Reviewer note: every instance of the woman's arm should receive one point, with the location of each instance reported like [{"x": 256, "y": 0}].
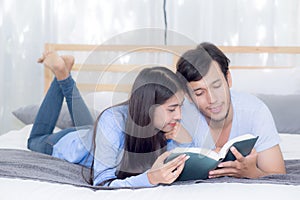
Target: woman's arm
[
  {"x": 109, "y": 152},
  {"x": 159, "y": 173}
]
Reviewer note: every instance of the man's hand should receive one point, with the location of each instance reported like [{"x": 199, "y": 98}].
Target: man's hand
[{"x": 242, "y": 167}]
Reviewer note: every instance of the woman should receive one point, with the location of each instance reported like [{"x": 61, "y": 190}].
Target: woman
[{"x": 130, "y": 140}]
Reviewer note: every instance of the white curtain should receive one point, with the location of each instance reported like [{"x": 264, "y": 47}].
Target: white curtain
[{"x": 25, "y": 26}]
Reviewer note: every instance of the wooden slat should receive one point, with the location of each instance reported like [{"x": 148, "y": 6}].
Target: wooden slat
[
  {"x": 261, "y": 49},
  {"x": 129, "y": 68},
  {"x": 104, "y": 87},
  {"x": 140, "y": 48},
  {"x": 48, "y": 76},
  {"x": 261, "y": 67},
  {"x": 175, "y": 51},
  {"x": 69, "y": 47},
  {"x": 173, "y": 48},
  {"x": 113, "y": 68}
]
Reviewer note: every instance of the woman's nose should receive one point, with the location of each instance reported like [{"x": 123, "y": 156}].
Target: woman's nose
[{"x": 177, "y": 115}]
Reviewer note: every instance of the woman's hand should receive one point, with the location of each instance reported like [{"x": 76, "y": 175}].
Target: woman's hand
[
  {"x": 242, "y": 167},
  {"x": 166, "y": 173},
  {"x": 179, "y": 134}
]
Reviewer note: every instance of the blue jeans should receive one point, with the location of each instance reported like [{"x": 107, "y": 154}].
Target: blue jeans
[{"x": 41, "y": 138}]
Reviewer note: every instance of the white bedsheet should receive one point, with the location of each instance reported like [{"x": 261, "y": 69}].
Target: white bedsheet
[{"x": 11, "y": 189}]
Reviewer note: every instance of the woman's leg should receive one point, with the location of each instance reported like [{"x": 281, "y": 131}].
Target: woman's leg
[
  {"x": 41, "y": 138},
  {"x": 50, "y": 108},
  {"x": 79, "y": 112},
  {"x": 46, "y": 119}
]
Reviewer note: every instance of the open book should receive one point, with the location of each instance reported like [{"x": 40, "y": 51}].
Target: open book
[{"x": 202, "y": 161}]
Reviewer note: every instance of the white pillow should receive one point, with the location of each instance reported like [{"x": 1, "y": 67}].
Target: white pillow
[
  {"x": 101, "y": 100},
  {"x": 27, "y": 114},
  {"x": 96, "y": 102}
]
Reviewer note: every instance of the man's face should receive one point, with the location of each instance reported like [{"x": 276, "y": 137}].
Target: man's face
[{"x": 212, "y": 94}]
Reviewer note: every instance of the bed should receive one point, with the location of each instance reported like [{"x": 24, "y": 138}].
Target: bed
[{"x": 122, "y": 62}]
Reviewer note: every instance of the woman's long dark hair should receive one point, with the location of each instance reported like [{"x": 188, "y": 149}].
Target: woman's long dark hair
[{"x": 143, "y": 142}]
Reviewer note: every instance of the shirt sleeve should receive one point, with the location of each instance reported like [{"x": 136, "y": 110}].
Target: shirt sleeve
[
  {"x": 173, "y": 144},
  {"x": 140, "y": 180},
  {"x": 264, "y": 127},
  {"x": 109, "y": 152}
]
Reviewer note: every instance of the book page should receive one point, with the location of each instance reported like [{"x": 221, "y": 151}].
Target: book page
[
  {"x": 229, "y": 143},
  {"x": 201, "y": 151}
]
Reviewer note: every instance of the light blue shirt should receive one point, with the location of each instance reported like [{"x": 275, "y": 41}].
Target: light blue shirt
[
  {"x": 250, "y": 115},
  {"x": 75, "y": 148}
]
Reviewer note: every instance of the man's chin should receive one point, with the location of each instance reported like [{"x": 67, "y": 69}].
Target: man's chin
[{"x": 217, "y": 118}]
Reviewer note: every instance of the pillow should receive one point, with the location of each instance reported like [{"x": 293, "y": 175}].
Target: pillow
[
  {"x": 27, "y": 114},
  {"x": 285, "y": 110},
  {"x": 96, "y": 102},
  {"x": 100, "y": 100}
]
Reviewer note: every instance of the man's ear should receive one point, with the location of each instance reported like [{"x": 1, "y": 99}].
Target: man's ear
[{"x": 229, "y": 79}]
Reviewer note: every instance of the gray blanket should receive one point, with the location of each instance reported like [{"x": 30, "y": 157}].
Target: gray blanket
[{"x": 36, "y": 166}]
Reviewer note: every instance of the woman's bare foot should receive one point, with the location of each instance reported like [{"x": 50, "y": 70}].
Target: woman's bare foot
[
  {"x": 56, "y": 64},
  {"x": 69, "y": 61}
]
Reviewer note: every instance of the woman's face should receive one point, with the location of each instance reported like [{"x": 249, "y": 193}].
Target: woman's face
[{"x": 166, "y": 115}]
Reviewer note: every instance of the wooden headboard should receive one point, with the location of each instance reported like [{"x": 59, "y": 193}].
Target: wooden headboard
[{"x": 170, "y": 53}]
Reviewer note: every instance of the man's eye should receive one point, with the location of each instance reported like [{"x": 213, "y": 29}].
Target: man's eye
[
  {"x": 217, "y": 85},
  {"x": 198, "y": 94},
  {"x": 171, "y": 110}
]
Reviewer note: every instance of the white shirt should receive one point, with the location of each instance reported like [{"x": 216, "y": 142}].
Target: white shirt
[{"x": 250, "y": 115}]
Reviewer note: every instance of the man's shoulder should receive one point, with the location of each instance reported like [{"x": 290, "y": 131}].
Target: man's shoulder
[{"x": 245, "y": 100}]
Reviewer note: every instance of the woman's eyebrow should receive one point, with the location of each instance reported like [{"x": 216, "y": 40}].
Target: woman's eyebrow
[
  {"x": 177, "y": 104},
  {"x": 173, "y": 105}
]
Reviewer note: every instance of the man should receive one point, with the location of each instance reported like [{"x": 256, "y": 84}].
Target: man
[{"x": 225, "y": 114}]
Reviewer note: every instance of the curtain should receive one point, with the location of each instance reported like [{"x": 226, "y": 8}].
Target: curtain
[{"x": 25, "y": 26}]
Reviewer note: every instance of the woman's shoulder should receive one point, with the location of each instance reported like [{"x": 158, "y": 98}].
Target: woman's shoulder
[
  {"x": 114, "y": 115},
  {"x": 115, "y": 111},
  {"x": 111, "y": 124}
]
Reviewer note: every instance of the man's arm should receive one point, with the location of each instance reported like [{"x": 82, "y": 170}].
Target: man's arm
[
  {"x": 254, "y": 165},
  {"x": 270, "y": 161}
]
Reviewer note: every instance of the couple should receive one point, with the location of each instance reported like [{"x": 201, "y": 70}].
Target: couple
[{"x": 129, "y": 142}]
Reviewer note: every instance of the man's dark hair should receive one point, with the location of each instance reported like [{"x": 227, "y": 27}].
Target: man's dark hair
[
  {"x": 195, "y": 63},
  {"x": 217, "y": 55}
]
